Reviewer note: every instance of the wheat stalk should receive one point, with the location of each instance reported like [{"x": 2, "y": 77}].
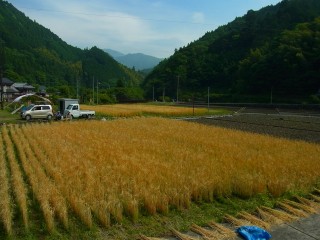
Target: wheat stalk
[
  {"x": 309, "y": 202},
  {"x": 205, "y": 233},
  {"x": 143, "y": 237},
  {"x": 182, "y": 236},
  {"x": 41, "y": 193},
  {"x": 254, "y": 220},
  {"x": 81, "y": 209},
  {"x": 77, "y": 204},
  {"x": 268, "y": 217},
  {"x": 125, "y": 110},
  {"x": 56, "y": 199},
  {"x": 316, "y": 198},
  {"x": 98, "y": 165},
  {"x": 304, "y": 207},
  {"x": 292, "y": 210},
  {"x": 5, "y": 199},
  {"x": 19, "y": 187},
  {"x": 224, "y": 231},
  {"x": 285, "y": 217},
  {"x": 235, "y": 221}
]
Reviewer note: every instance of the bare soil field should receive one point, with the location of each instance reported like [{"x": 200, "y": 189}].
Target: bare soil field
[{"x": 293, "y": 124}]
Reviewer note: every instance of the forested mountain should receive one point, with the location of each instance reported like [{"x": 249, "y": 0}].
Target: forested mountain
[
  {"x": 138, "y": 61},
  {"x": 35, "y": 55},
  {"x": 274, "y": 51}
]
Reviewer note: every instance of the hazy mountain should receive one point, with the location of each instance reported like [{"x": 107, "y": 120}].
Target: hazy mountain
[
  {"x": 139, "y": 61},
  {"x": 113, "y": 53}
]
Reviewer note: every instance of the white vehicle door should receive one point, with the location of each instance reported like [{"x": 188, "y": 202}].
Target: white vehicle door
[{"x": 75, "y": 111}]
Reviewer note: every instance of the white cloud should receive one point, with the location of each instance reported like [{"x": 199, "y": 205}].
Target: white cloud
[
  {"x": 198, "y": 17},
  {"x": 88, "y": 23}
]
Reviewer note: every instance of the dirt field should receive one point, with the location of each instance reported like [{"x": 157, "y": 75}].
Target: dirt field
[{"x": 293, "y": 124}]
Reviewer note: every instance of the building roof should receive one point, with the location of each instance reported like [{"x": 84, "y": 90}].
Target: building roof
[
  {"x": 22, "y": 86},
  {"x": 11, "y": 90},
  {"x": 6, "y": 82}
]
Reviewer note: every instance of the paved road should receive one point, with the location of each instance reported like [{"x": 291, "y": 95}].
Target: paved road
[{"x": 304, "y": 229}]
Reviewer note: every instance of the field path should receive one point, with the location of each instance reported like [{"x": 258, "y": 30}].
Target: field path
[
  {"x": 303, "y": 229},
  {"x": 298, "y": 125}
]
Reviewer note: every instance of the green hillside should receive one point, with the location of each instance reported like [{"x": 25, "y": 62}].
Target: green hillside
[
  {"x": 271, "y": 51},
  {"x": 35, "y": 55}
]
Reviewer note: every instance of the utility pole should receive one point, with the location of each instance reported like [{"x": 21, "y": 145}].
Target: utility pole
[
  {"x": 208, "y": 99},
  {"x": 97, "y": 91},
  {"x": 153, "y": 93},
  {"x": 93, "y": 89},
  {"x": 77, "y": 82},
  {"x": 178, "y": 89},
  {"x": 2, "y": 60},
  {"x": 193, "y": 104},
  {"x": 1, "y": 84},
  {"x": 163, "y": 93}
]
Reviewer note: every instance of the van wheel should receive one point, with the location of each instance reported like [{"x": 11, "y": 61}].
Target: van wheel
[
  {"x": 49, "y": 117},
  {"x": 28, "y": 117}
]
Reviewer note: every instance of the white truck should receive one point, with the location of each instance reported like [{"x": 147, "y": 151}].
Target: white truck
[{"x": 73, "y": 111}]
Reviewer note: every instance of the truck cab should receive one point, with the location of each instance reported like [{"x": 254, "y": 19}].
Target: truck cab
[{"x": 73, "y": 111}]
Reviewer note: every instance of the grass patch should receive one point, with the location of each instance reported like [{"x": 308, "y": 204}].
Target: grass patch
[{"x": 7, "y": 117}]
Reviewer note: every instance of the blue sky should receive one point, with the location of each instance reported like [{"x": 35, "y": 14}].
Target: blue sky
[{"x": 153, "y": 27}]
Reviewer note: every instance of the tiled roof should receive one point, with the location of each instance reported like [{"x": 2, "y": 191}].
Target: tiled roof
[
  {"x": 6, "y": 82},
  {"x": 11, "y": 90},
  {"x": 23, "y": 86}
]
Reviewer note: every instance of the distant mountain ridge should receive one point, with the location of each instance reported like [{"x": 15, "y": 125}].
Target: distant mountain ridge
[
  {"x": 114, "y": 53},
  {"x": 139, "y": 61}
]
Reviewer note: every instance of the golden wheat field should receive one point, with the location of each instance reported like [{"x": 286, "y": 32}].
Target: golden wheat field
[
  {"x": 131, "y": 110},
  {"x": 103, "y": 171}
]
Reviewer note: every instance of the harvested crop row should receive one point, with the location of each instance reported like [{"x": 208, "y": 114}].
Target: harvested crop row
[
  {"x": 5, "y": 199},
  {"x": 49, "y": 198},
  {"x": 18, "y": 184}
]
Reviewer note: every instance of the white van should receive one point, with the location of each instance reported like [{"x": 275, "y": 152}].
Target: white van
[{"x": 38, "y": 112}]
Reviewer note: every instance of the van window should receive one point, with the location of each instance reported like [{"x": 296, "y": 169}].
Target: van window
[
  {"x": 36, "y": 109},
  {"x": 29, "y": 107},
  {"x": 45, "y": 107}
]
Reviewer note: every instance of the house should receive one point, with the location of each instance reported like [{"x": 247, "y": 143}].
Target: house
[
  {"x": 12, "y": 90},
  {"x": 23, "y": 88},
  {"x": 6, "y": 89},
  {"x": 10, "y": 93},
  {"x": 6, "y": 83}
]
